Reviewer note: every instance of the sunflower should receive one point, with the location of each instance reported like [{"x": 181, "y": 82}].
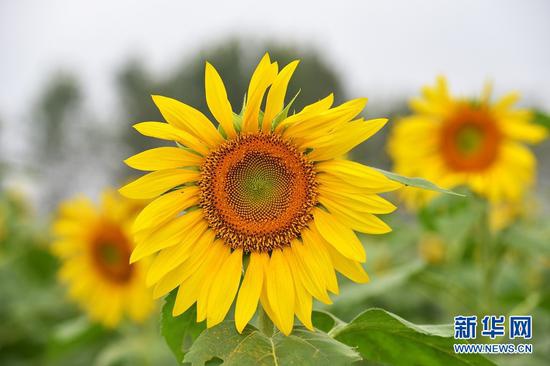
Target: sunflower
[
  {"x": 461, "y": 142},
  {"x": 265, "y": 189},
  {"x": 94, "y": 246}
]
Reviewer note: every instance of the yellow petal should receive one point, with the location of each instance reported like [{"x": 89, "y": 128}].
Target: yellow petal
[
  {"x": 265, "y": 302},
  {"x": 523, "y": 131},
  {"x": 157, "y": 183},
  {"x": 323, "y": 122},
  {"x": 506, "y": 102},
  {"x": 319, "y": 106},
  {"x": 314, "y": 245},
  {"x": 224, "y": 288},
  {"x": 216, "y": 98},
  {"x": 360, "y": 221},
  {"x": 317, "y": 253},
  {"x": 356, "y": 174},
  {"x": 188, "y": 119},
  {"x": 308, "y": 112},
  {"x": 166, "y": 207},
  {"x": 304, "y": 304},
  {"x": 338, "y": 235},
  {"x": 207, "y": 283},
  {"x": 189, "y": 290},
  {"x": 175, "y": 232},
  {"x": 349, "y": 268},
  {"x": 190, "y": 266},
  {"x": 164, "y": 131},
  {"x": 361, "y": 203},
  {"x": 276, "y": 96},
  {"x": 163, "y": 158},
  {"x": 307, "y": 269},
  {"x": 261, "y": 79},
  {"x": 171, "y": 257},
  {"x": 250, "y": 290},
  {"x": 344, "y": 139},
  {"x": 280, "y": 291}
]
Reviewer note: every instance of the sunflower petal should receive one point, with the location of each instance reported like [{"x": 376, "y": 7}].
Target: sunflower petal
[
  {"x": 224, "y": 288},
  {"x": 179, "y": 274},
  {"x": 165, "y": 207},
  {"x": 169, "y": 235},
  {"x": 307, "y": 268},
  {"x": 304, "y": 301},
  {"x": 360, "y": 221},
  {"x": 164, "y": 131},
  {"x": 276, "y": 96},
  {"x": 349, "y": 268},
  {"x": 344, "y": 139},
  {"x": 171, "y": 257},
  {"x": 216, "y": 98},
  {"x": 188, "y": 119},
  {"x": 261, "y": 79},
  {"x": 190, "y": 289},
  {"x": 339, "y": 235},
  {"x": 157, "y": 183},
  {"x": 250, "y": 291},
  {"x": 163, "y": 158},
  {"x": 355, "y": 174},
  {"x": 280, "y": 291}
]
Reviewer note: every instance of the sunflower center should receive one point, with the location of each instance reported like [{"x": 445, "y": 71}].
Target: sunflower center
[
  {"x": 257, "y": 192},
  {"x": 470, "y": 140},
  {"x": 111, "y": 254}
]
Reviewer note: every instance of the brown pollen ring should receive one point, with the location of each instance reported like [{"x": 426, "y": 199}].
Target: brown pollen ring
[
  {"x": 477, "y": 121},
  {"x": 111, "y": 249},
  {"x": 257, "y": 192}
]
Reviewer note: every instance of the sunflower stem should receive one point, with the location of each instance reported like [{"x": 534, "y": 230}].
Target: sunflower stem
[
  {"x": 264, "y": 322},
  {"x": 485, "y": 240}
]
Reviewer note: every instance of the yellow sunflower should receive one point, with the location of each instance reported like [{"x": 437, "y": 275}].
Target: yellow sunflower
[
  {"x": 265, "y": 189},
  {"x": 94, "y": 245},
  {"x": 461, "y": 142}
]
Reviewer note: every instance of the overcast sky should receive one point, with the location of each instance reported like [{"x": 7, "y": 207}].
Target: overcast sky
[{"x": 384, "y": 48}]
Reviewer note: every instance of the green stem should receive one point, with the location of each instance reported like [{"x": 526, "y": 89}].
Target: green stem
[
  {"x": 264, "y": 323},
  {"x": 487, "y": 248}
]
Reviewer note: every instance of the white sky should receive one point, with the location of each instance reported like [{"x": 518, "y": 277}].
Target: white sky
[{"x": 384, "y": 49}]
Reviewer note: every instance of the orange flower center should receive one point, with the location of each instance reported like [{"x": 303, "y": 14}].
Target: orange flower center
[
  {"x": 470, "y": 139},
  {"x": 111, "y": 253},
  {"x": 257, "y": 192}
]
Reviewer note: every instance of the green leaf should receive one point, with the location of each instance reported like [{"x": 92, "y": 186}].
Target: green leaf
[
  {"x": 384, "y": 337},
  {"x": 252, "y": 347},
  {"x": 542, "y": 119},
  {"x": 354, "y": 296},
  {"x": 417, "y": 182},
  {"x": 181, "y": 331},
  {"x": 325, "y": 321}
]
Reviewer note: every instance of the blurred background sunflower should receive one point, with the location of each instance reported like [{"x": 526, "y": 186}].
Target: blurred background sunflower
[
  {"x": 75, "y": 76},
  {"x": 94, "y": 243}
]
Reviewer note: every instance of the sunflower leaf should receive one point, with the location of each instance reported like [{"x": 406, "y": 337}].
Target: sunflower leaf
[
  {"x": 181, "y": 331},
  {"x": 385, "y": 338},
  {"x": 541, "y": 118},
  {"x": 223, "y": 343},
  {"x": 417, "y": 182},
  {"x": 325, "y": 321}
]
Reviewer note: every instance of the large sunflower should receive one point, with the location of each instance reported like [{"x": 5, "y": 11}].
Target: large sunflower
[
  {"x": 265, "y": 187},
  {"x": 94, "y": 245},
  {"x": 461, "y": 142}
]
